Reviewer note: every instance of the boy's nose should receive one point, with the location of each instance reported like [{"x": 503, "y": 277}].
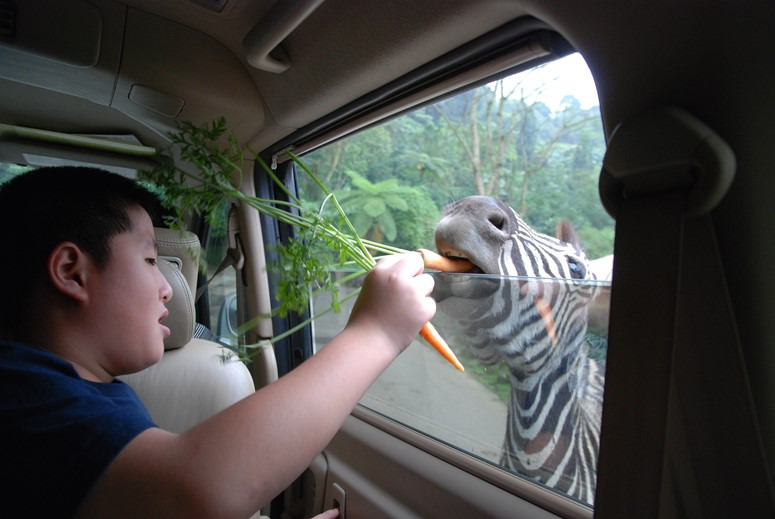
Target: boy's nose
[{"x": 166, "y": 290}]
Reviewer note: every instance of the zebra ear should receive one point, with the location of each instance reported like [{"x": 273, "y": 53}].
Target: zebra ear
[{"x": 564, "y": 231}]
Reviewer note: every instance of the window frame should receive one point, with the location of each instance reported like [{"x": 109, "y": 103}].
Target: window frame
[{"x": 514, "y": 47}]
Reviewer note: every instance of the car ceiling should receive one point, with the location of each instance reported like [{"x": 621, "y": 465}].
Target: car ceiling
[
  {"x": 178, "y": 48},
  {"x": 194, "y": 55}
]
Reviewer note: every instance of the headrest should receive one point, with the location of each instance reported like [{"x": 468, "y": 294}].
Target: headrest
[
  {"x": 180, "y": 248},
  {"x": 181, "y": 307}
]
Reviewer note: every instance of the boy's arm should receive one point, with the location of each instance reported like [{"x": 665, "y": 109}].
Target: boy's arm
[{"x": 238, "y": 460}]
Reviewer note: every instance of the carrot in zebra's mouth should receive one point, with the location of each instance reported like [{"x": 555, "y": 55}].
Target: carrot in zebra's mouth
[{"x": 446, "y": 263}]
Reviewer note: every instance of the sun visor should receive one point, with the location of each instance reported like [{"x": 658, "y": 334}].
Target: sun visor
[{"x": 68, "y": 47}]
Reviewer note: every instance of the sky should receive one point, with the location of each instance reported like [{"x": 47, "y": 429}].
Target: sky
[{"x": 568, "y": 75}]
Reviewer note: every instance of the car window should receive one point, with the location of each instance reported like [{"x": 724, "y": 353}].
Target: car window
[
  {"x": 221, "y": 294},
  {"x": 9, "y": 170},
  {"x": 533, "y": 141}
]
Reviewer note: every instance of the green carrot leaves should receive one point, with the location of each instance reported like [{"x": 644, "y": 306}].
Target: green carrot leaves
[
  {"x": 319, "y": 247},
  {"x": 212, "y": 174}
]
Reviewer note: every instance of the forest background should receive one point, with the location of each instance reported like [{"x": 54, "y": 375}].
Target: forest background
[{"x": 499, "y": 140}]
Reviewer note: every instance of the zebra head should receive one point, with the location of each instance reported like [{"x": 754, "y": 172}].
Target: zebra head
[
  {"x": 523, "y": 321},
  {"x": 531, "y": 313}
]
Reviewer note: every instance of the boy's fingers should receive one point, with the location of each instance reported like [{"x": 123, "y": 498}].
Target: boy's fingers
[
  {"x": 425, "y": 283},
  {"x": 409, "y": 264}
]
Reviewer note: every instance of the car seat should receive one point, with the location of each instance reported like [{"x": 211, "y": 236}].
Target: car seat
[{"x": 195, "y": 378}]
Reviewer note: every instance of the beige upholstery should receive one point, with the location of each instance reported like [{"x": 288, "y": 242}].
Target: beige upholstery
[
  {"x": 180, "y": 247},
  {"x": 195, "y": 378}
]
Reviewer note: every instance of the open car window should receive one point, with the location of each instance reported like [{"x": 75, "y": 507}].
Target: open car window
[{"x": 532, "y": 337}]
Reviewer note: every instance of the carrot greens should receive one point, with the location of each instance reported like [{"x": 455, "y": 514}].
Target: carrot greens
[{"x": 320, "y": 245}]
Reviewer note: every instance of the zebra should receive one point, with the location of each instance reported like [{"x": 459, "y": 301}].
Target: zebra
[{"x": 537, "y": 328}]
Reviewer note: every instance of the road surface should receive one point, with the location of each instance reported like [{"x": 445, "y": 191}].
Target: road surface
[{"x": 424, "y": 391}]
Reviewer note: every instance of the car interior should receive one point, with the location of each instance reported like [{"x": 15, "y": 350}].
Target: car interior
[
  {"x": 189, "y": 384},
  {"x": 669, "y": 187}
]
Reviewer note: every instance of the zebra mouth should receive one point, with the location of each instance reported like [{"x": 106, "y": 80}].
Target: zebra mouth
[
  {"x": 474, "y": 284},
  {"x": 456, "y": 254},
  {"x": 474, "y": 270}
]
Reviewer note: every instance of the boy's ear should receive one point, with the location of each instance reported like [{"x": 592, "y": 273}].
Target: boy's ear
[{"x": 67, "y": 269}]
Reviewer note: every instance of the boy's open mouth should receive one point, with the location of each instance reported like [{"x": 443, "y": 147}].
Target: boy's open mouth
[{"x": 165, "y": 329}]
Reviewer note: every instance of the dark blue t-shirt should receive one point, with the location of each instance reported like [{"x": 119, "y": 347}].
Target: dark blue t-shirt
[{"x": 58, "y": 432}]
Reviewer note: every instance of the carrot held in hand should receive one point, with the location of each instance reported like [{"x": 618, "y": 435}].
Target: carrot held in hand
[{"x": 429, "y": 333}]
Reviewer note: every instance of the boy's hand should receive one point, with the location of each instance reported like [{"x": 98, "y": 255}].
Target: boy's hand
[{"x": 394, "y": 300}]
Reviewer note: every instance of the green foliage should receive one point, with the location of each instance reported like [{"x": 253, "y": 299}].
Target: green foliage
[
  {"x": 307, "y": 264},
  {"x": 8, "y": 171},
  {"x": 495, "y": 377},
  {"x": 387, "y": 212},
  {"x": 216, "y": 158},
  {"x": 598, "y": 345},
  {"x": 597, "y": 242},
  {"x": 393, "y": 178},
  {"x": 416, "y": 225},
  {"x": 373, "y": 206},
  {"x": 543, "y": 163},
  {"x": 555, "y": 157},
  {"x": 212, "y": 179}
]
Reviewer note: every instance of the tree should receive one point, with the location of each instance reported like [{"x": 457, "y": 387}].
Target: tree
[
  {"x": 534, "y": 153},
  {"x": 505, "y": 136},
  {"x": 496, "y": 140},
  {"x": 484, "y": 130},
  {"x": 378, "y": 211}
]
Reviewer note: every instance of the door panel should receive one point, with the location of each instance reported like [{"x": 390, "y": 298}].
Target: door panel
[{"x": 385, "y": 476}]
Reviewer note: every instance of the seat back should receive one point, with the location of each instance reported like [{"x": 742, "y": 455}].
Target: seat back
[{"x": 195, "y": 378}]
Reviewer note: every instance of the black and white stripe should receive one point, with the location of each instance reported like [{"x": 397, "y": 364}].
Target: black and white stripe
[{"x": 553, "y": 428}]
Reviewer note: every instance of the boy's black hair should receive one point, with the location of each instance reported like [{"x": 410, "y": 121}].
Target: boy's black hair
[{"x": 46, "y": 207}]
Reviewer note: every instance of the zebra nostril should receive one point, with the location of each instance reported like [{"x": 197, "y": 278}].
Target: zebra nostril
[{"x": 497, "y": 220}]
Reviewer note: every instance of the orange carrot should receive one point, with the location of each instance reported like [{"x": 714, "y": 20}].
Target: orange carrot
[
  {"x": 545, "y": 311},
  {"x": 429, "y": 333},
  {"x": 438, "y": 262}
]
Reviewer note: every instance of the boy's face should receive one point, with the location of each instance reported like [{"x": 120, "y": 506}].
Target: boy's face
[{"x": 127, "y": 301}]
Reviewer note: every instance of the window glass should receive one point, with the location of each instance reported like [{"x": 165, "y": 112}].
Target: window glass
[
  {"x": 530, "y": 327},
  {"x": 222, "y": 286},
  {"x": 8, "y": 171}
]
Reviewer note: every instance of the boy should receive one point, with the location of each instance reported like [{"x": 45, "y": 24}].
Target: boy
[{"x": 83, "y": 301}]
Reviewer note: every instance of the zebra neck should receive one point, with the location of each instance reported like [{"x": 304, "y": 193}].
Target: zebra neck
[
  {"x": 539, "y": 398},
  {"x": 555, "y": 364}
]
